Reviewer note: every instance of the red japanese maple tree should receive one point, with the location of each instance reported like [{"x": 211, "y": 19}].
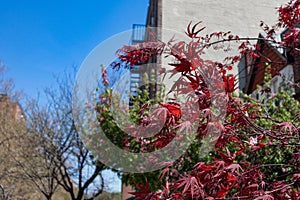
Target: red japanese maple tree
[{"x": 256, "y": 155}]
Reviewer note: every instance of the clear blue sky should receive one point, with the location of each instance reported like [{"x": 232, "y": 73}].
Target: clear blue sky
[{"x": 42, "y": 38}]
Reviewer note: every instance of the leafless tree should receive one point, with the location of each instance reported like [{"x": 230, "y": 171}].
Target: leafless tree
[
  {"x": 65, "y": 158},
  {"x": 45, "y": 153}
]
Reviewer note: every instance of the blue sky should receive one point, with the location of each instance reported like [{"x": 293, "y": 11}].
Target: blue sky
[{"x": 41, "y": 38}]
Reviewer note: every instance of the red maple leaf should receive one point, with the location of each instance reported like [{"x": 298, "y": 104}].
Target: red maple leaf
[
  {"x": 192, "y": 33},
  {"x": 229, "y": 83},
  {"x": 173, "y": 108},
  {"x": 143, "y": 193},
  {"x": 191, "y": 186}
]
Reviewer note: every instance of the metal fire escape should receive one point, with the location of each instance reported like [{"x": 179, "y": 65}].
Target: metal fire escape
[{"x": 138, "y": 36}]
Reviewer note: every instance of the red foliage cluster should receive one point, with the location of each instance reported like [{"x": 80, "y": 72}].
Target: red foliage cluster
[
  {"x": 229, "y": 174},
  {"x": 138, "y": 54},
  {"x": 289, "y": 14}
]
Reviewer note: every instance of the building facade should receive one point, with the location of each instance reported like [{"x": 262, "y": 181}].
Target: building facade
[
  {"x": 170, "y": 17},
  {"x": 240, "y": 17},
  {"x": 9, "y": 110},
  {"x": 283, "y": 67}
]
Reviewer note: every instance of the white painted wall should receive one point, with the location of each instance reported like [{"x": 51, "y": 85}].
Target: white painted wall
[{"x": 241, "y": 17}]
